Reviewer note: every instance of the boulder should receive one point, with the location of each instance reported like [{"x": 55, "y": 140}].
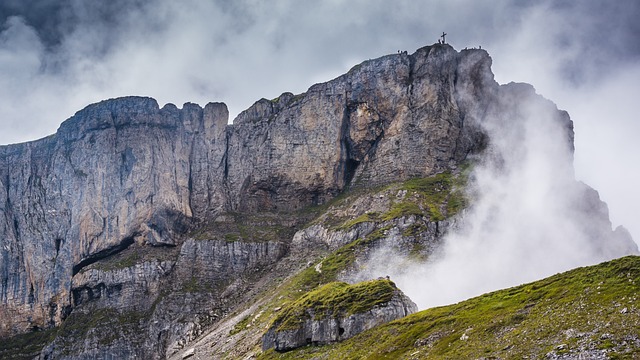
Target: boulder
[{"x": 335, "y": 312}]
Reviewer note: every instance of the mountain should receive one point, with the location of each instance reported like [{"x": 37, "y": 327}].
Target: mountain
[{"x": 136, "y": 230}]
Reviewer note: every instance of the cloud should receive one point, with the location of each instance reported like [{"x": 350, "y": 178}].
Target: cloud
[
  {"x": 240, "y": 51},
  {"x": 529, "y": 218}
]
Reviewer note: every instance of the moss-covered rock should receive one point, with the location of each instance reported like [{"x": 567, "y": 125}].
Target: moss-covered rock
[{"x": 336, "y": 311}]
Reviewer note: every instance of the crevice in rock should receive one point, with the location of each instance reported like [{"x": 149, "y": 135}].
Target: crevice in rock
[
  {"x": 190, "y": 183},
  {"x": 348, "y": 164},
  {"x": 225, "y": 156},
  {"x": 350, "y": 168},
  {"x": 126, "y": 242},
  {"x": 16, "y": 227},
  {"x": 58, "y": 242},
  {"x": 374, "y": 144},
  {"x": 31, "y": 298}
]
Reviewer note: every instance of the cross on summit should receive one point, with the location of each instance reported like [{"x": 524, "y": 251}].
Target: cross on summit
[{"x": 442, "y": 36}]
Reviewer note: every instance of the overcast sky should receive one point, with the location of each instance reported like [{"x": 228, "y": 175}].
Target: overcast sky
[{"x": 57, "y": 56}]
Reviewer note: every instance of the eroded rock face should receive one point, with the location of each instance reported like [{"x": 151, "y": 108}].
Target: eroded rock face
[
  {"x": 118, "y": 172},
  {"x": 150, "y": 308},
  {"x": 319, "y": 328}
]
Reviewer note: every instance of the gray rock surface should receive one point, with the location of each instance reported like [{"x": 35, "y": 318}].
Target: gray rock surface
[{"x": 153, "y": 308}]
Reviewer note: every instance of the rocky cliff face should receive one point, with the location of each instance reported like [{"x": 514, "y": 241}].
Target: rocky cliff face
[
  {"x": 124, "y": 170},
  {"x": 128, "y": 198},
  {"x": 116, "y": 173},
  {"x": 139, "y": 304}
]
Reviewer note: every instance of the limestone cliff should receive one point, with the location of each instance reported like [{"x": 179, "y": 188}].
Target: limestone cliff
[{"x": 158, "y": 217}]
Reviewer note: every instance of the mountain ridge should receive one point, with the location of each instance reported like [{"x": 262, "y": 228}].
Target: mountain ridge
[{"x": 130, "y": 198}]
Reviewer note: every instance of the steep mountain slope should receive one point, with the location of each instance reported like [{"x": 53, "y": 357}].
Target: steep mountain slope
[
  {"x": 139, "y": 231},
  {"x": 586, "y": 313}
]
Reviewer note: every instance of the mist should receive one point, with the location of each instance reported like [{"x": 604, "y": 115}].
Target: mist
[{"x": 529, "y": 218}]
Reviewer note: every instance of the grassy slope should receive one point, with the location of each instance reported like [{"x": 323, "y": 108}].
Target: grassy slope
[
  {"x": 435, "y": 197},
  {"x": 594, "y": 309}
]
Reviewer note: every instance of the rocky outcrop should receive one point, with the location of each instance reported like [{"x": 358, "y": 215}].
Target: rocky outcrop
[
  {"x": 336, "y": 312},
  {"x": 151, "y": 303},
  {"x": 387, "y": 119}
]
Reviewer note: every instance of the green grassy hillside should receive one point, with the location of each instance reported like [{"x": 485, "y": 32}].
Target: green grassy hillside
[{"x": 593, "y": 312}]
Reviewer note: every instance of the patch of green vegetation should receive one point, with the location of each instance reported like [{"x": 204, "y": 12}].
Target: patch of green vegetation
[
  {"x": 79, "y": 323},
  {"x": 128, "y": 261},
  {"x": 324, "y": 271},
  {"x": 576, "y": 311},
  {"x": 437, "y": 197},
  {"x": 417, "y": 252},
  {"x": 106, "y": 325},
  {"x": 241, "y": 325},
  {"x": 190, "y": 286},
  {"x": 414, "y": 229},
  {"x": 26, "y": 346},
  {"x": 134, "y": 254},
  {"x": 324, "y": 213},
  {"x": 366, "y": 217},
  {"x": 404, "y": 208},
  {"x": 456, "y": 202},
  {"x": 297, "y": 97},
  {"x": 247, "y": 227},
  {"x": 200, "y": 234},
  {"x": 195, "y": 285},
  {"x": 118, "y": 261},
  {"x": 442, "y": 195},
  {"x": 329, "y": 268},
  {"x": 335, "y": 299},
  {"x": 231, "y": 237}
]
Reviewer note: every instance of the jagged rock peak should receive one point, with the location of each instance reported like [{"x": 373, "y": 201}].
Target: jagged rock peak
[{"x": 138, "y": 111}]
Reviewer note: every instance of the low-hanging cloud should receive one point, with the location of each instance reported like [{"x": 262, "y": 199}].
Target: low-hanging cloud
[{"x": 529, "y": 217}]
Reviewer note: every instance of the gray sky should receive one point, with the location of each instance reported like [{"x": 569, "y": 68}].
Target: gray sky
[{"x": 57, "y": 56}]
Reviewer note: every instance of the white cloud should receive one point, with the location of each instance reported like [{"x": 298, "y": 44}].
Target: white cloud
[{"x": 528, "y": 219}]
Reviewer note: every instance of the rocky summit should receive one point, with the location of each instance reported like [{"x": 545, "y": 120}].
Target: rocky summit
[{"x": 140, "y": 231}]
